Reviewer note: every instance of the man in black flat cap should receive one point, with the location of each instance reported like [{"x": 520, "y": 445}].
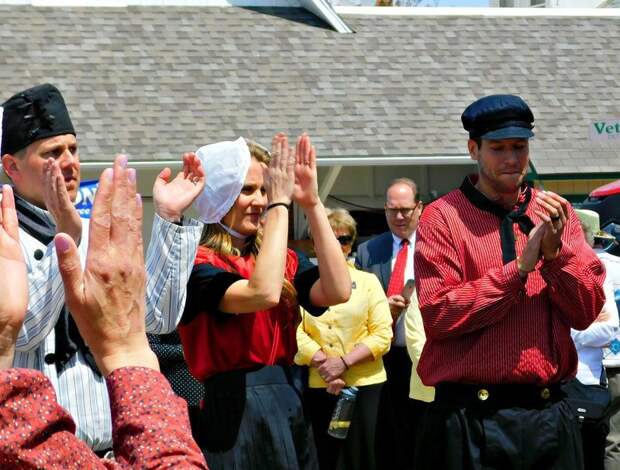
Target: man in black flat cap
[
  {"x": 39, "y": 151},
  {"x": 502, "y": 273}
]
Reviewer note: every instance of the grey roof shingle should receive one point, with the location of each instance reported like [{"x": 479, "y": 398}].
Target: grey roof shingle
[{"x": 158, "y": 81}]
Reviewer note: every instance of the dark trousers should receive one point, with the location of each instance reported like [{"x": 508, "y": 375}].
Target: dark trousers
[
  {"x": 398, "y": 414},
  {"x": 594, "y": 435},
  {"x": 357, "y": 451},
  {"x": 505, "y": 427},
  {"x": 254, "y": 420}
]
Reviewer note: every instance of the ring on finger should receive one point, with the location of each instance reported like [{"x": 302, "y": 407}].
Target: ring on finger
[{"x": 555, "y": 218}]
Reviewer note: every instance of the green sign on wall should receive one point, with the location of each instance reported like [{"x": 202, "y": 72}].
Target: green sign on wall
[{"x": 605, "y": 130}]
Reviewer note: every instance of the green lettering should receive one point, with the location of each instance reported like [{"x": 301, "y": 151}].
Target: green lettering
[
  {"x": 609, "y": 129},
  {"x": 600, "y": 126}
]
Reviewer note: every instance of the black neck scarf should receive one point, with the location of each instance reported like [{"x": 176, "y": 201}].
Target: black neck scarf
[
  {"x": 41, "y": 226},
  {"x": 507, "y": 217}
]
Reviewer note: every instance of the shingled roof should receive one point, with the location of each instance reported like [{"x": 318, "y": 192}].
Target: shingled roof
[{"x": 158, "y": 81}]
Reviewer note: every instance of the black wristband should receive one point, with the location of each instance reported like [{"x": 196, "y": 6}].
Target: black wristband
[{"x": 276, "y": 204}]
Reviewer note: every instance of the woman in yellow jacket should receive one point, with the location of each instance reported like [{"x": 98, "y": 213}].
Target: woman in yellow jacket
[{"x": 344, "y": 348}]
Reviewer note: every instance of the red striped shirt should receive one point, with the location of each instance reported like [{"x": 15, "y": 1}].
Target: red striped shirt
[{"x": 484, "y": 325}]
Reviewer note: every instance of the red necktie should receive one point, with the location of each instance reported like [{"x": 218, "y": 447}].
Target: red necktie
[{"x": 397, "y": 279}]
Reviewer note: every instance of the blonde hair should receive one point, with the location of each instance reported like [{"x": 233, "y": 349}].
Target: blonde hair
[
  {"x": 341, "y": 219},
  {"x": 220, "y": 241}
]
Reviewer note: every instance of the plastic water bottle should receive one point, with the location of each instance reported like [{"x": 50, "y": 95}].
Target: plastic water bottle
[{"x": 343, "y": 412}]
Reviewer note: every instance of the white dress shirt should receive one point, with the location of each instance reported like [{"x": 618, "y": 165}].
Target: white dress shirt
[
  {"x": 590, "y": 342},
  {"x": 611, "y": 356},
  {"x": 169, "y": 261},
  {"x": 400, "y": 338}
]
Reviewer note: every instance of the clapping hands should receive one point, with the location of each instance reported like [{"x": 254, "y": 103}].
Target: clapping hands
[
  {"x": 173, "y": 197},
  {"x": 14, "y": 285}
]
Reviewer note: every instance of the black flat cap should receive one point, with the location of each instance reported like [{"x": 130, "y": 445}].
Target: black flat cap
[
  {"x": 498, "y": 117},
  {"x": 33, "y": 114}
]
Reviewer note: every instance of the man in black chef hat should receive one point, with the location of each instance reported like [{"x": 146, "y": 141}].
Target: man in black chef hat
[{"x": 39, "y": 152}]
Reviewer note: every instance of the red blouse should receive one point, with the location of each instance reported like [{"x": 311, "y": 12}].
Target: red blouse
[{"x": 215, "y": 341}]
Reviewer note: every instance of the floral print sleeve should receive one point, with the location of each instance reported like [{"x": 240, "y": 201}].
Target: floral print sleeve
[
  {"x": 151, "y": 428},
  {"x": 35, "y": 431},
  {"x": 150, "y": 423}
]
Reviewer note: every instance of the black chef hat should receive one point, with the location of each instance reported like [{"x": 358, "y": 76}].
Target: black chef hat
[{"x": 33, "y": 114}]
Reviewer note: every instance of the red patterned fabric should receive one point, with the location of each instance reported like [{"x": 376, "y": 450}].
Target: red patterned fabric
[
  {"x": 150, "y": 423},
  {"x": 483, "y": 324},
  {"x": 397, "y": 279}
]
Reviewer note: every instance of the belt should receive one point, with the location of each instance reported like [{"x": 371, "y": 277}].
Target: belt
[
  {"x": 263, "y": 375},
  {"x": 498, "y": 396}
]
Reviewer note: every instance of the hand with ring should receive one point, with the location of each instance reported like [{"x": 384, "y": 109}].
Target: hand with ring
[{"x": 553, "y": 210}]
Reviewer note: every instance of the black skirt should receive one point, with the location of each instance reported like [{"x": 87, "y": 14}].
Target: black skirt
[{"x": 254, "y": 419}]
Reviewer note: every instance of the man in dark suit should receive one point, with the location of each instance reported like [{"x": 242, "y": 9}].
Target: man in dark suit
[{"x": 390, "y": 257}]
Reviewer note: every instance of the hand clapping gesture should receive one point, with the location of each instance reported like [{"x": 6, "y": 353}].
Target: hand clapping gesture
[
  {"x": 555, "y": 215},
  {"x": 107, "y": 300},
  {"x": 306, "y": 192},
  {"x": 173, "y": 197},
  {"x": 58, "y": 202},
  {"x": 279, "y": 176},
  {"x": 14, "y": 285}
]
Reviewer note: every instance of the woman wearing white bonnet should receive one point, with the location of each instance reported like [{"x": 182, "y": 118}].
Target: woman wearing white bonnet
[{"x": 243, "y": 298}]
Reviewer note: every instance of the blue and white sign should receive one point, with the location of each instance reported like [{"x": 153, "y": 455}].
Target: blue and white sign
[{"x": 85, "y": 198}]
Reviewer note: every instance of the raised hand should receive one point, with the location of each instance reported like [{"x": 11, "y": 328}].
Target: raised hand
[
  {"x": 555, "y": 215},
  {"x": 531, "y": 253},
  {"x": 14, "y": 285},
  {"x": 58, "y": 202},
  {"x": 306, "y": 192},
  {"x": 107, "y": 300},
  {"x": 172, "y": 197},
  {"x": 280, "y": 174}
]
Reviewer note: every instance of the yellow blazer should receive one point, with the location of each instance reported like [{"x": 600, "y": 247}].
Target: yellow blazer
[
  {"x": 415, "y": 339},
  {"x": 365, "y": 319}
]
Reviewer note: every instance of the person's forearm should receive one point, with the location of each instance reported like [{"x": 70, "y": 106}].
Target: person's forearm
[
  {"x": 306, "y": 348},
  {"x": 6, "y": 357},
  {"x": 334, "y": 279},
  {"x": 267, "y": 278},
  {"x": 169, "y": 261},
  {"x": 575, "y": 285},
  {"x": 151, "y": 424},
  {"x": 359, "y": 354},
  {"x": 597, "y": 335},
  {"x": 134, "y": 352}
]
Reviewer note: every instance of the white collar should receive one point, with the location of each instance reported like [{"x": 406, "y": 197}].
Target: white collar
[{"x": 397, "y": 240}]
